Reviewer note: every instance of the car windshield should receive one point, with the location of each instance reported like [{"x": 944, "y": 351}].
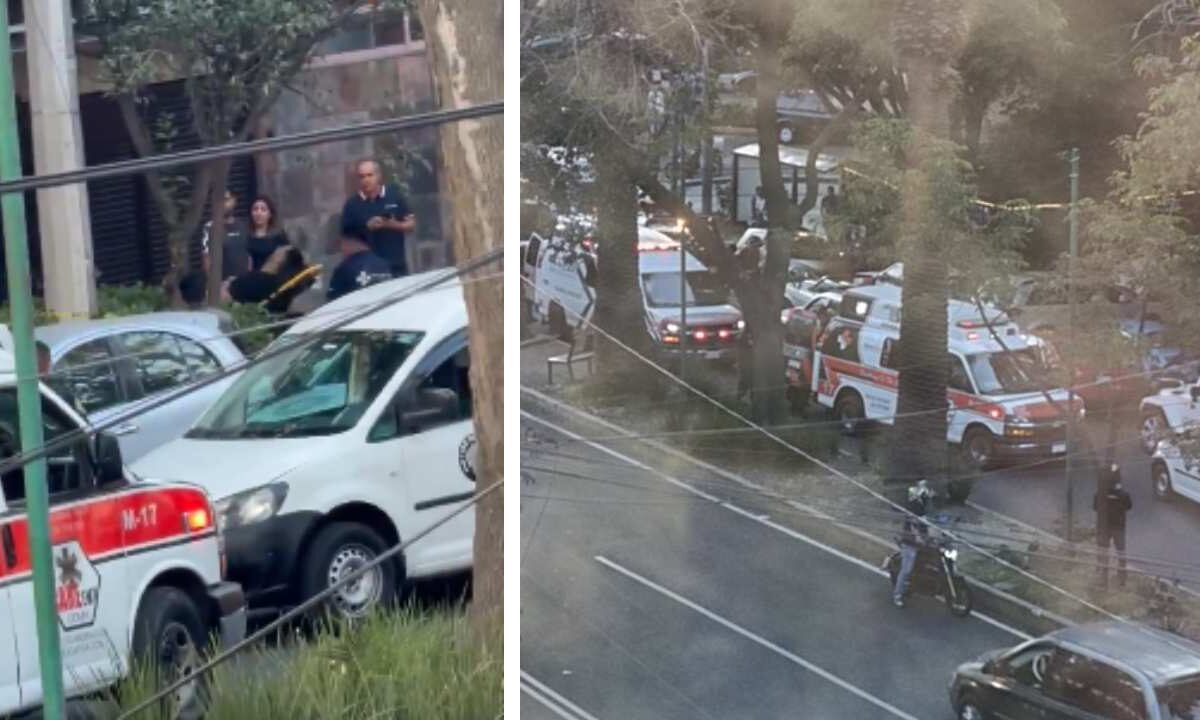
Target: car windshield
[
  {"x": 662, "y": 289},
  {"x": 320, "y": 387},
  {"x": 1180, "y": 700},
  {"x": 1001, "y": 373}
]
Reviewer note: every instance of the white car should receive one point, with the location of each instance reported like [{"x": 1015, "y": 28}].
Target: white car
[
  {"x": 324, "y": 456},
  {"x": 137, "y": 565},
  {"x": 1175, "y": 472},
  {"x": 1167, "y": 412},
  {"x": 112, "y": 365}
]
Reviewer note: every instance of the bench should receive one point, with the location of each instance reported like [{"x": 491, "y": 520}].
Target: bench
[{"x": 577, "y": 352}]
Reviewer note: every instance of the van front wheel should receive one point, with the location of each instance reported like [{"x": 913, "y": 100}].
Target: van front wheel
[{"x": 338, "y": 550}]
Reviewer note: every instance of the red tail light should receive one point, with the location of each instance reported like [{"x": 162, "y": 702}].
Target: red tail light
[{"x": 700, "y": 335}]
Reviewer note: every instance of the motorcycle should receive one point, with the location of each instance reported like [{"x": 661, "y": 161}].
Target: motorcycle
[{"x": 935, "y": 574}]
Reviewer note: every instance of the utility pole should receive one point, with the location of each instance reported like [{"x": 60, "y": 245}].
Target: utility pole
[
  {"x": 706, "y": 150},
  {"x": 64, "y": 221},
  {"x": 683, "y": 288},
  {"x": 29, "y": 407},
  {"x": 1073, "y": 251}
]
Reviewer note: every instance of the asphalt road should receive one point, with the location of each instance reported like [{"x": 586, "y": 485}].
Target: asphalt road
[
  {"x": 640, "y": 599},
  {"x": 1154, "y": 528}
]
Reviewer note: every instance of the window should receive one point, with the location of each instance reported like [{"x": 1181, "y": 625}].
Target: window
[
  {"x": 958, "y": 376},
  {"x": 1094, "y": 686},
  {"x": 89, "y": 373},
  {"x": 157, "y": 359},
  {"x": 531, "y": 252},
  {"x": 370, "y": 29},
  {"x": 887, "y": 357},
  {"x": 841, "y": 341},
  {"x": 200, "y": 361},
  {"x": 66, "y": 471},
  {"x": 662, "y": 289},
  {"x": 1029, "y": 666},
  {"x": 443, "y": 395},
  {"x": 316, "y": 388}
]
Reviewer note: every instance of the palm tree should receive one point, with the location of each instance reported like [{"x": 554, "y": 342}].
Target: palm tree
[{"x": 927, "y": 36}]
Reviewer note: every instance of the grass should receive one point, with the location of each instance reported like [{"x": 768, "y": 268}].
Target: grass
[{"x": 396, "y": 665}]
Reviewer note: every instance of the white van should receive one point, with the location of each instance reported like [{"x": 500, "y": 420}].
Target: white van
[
  {"x": 714, "y": 324},
  {"x": 996, "y": 408},
  {"x": 137, "y": 566},
  {"x": 322, "y": 457},
  {"x": 564, "y": 279}
]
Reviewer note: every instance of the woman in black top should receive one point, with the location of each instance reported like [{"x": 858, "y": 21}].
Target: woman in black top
[{"x": 266, "y": 235}]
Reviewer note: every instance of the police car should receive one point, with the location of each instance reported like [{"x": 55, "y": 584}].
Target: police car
[
  {"x": 1169, "y": 411},
  {"x": 137, "y": 565},
  {"x": 324, "y": 456},
  {"x": 996, "y": 407}
]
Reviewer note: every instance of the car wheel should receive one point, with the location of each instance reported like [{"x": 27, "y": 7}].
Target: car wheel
[
  {"x": 1162, "y": 481},
  {"x": 337, "y": 551},
  {"x": 170, "y": 636},
  {"x": 848, "y": 410},
  {"x": 1154, "y": 425},
  {"x": 978, "y": 448}
]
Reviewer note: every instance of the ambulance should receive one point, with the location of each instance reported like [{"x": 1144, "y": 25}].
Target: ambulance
[
  {"x": 996, "y": 409},
  {"x": 137, "y": 566}
]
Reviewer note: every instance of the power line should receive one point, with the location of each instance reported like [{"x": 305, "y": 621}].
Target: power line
[{"x": 286, "y": 142}]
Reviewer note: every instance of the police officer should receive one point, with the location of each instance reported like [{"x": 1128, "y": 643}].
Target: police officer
[
  {"x": 1111, "y": 504},
  {"x": 379, "y": 214},
  {"x": 359, "y": 268}
]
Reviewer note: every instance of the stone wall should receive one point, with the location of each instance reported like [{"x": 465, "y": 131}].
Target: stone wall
[{"x": 310, "y": 185}]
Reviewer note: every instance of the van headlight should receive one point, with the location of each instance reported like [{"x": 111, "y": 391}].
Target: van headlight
[{"x": 251, "y": 506}]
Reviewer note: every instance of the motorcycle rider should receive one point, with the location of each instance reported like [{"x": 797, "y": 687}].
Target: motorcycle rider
[{"x": 913, "y": 535}]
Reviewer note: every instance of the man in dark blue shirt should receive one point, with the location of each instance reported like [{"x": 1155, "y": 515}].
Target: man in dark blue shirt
[
  {"x": 378, "y": 215},
  {"x": 359, "y": 268}
]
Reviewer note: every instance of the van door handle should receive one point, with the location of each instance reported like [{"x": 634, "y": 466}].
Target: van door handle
[
  {"x": 10, "y": 547},
  {"x": 126, "y": 428}
]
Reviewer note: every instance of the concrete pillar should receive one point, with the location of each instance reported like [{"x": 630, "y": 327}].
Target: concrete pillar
[{"x": 64, "y": 223}]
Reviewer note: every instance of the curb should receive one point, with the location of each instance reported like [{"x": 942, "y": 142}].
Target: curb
[{"x": 998, "y": 603}]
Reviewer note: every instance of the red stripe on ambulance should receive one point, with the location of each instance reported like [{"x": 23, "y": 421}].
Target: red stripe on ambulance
[{"x": 110, "y": 524}]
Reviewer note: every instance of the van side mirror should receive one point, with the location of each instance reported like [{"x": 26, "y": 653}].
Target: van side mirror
[{"x": 106, "y": 458}]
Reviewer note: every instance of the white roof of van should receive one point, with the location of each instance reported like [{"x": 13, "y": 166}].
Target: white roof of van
[{"x": 437, "y": 311}]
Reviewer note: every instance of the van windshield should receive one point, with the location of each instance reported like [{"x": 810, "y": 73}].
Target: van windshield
[
  {"x": 662, "y": 289},
  {"x": 1001, "y": 373},
  {"x": 314, "y": 388}
]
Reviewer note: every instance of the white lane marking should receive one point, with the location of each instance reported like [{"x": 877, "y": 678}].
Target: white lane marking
[
  {"x": 537, "y": 685},
  {"x": 760, "y": 640},
  {"x": 636, "y": 463},
  {"x": 762, "y": 520},
  {"x": 546, "y": 702}
]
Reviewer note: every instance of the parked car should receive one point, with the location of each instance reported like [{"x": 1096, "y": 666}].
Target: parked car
[
  {"x": 1175, "y": 472},
  {"x": 137, "y": 566},
  {"x": 1111, "y": 670},
  {"x": 111, "y": 365},
  {"x": 324, "y": 456}
]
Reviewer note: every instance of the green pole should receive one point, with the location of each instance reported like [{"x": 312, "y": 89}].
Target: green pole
[
  {"x": 29, "y": 407},
  {"x": 1073, "y": 251}
]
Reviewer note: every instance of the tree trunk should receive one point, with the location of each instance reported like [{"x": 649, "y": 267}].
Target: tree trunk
[
  {"x": 216, "y": 236},
  {"x": 766, "y": 121},
  {"x": 921, "y": 423},
  {"x": 618, "y": 299},
  {"x": 465, "y": 41}
]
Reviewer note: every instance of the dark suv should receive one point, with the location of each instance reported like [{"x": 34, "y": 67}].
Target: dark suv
[{"x": 1099, "y": 671}]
